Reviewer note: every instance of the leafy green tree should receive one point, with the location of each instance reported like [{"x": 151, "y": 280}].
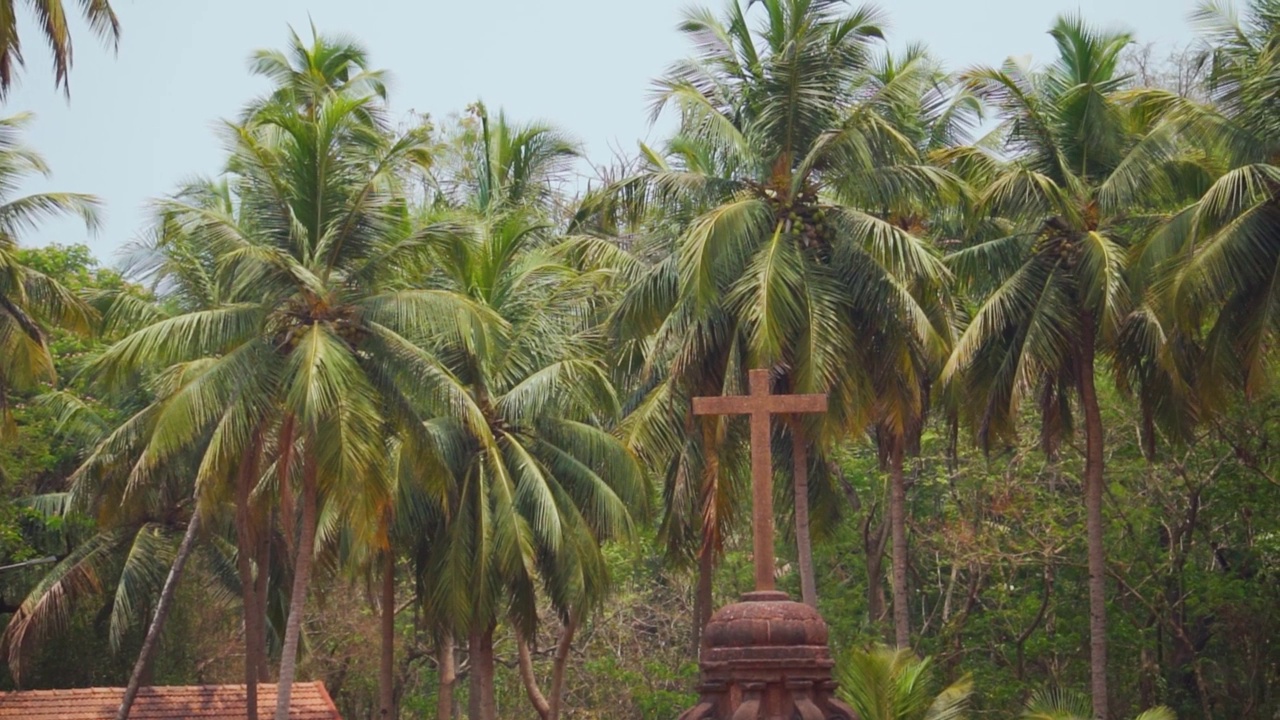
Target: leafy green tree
[
  {"x": 28, "y": 297},
  {"x": 51, "y": 15}
]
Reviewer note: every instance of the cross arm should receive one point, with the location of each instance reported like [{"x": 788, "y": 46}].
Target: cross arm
[{"x": 750, "y": 404}]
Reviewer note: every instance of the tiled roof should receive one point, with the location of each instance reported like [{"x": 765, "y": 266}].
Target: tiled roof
[{"x": 309, "y": 701}]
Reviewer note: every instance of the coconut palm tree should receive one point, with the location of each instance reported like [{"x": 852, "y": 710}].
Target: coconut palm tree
[
  {"x": 29, "y": 300},
  {"x": 304, "y": 74},
  {"x": 539, "y": 482},
  {"x": 51, "y": 16},
  {"x": 302, "y": 363},
  {"x": 1216, "y": 249},
  {"x": 893, "y": 684},
  {"x": 796, "y": 251},
  {"x": 1051, "y": 287},
  {"x": 495, "y": 164}
]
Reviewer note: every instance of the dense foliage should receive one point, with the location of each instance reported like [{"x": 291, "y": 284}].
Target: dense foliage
[{"x": 389, "y": 405}]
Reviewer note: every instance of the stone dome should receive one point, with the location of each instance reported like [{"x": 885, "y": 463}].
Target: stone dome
[
  {"x": 766, "y": 658},
  {"x": 765, "y": 619}
]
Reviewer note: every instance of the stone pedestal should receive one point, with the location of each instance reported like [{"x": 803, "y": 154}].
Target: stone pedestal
[{"x": 767, "y": 658}]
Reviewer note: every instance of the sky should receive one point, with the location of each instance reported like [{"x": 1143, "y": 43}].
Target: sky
[{"x": 141, "y": 121}]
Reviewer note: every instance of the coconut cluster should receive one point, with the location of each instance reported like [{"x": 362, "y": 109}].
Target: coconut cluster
[{"x": 804, "y": 219}]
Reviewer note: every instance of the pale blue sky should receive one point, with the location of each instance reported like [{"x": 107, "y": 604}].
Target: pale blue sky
[{"x": 141, "y": 122}]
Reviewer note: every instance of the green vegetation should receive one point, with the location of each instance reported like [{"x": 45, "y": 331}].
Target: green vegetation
[{"x": 384, "y": 404}]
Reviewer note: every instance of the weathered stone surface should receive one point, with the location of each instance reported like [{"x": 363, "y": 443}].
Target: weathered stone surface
[{"x": 767, "y": 658}]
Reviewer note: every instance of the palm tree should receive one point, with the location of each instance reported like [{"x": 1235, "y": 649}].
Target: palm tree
[
  {"x": 51, "y": 15},
  {"x": 1216, "y": 250},
  {"x": 1067, "y": 705},
  {"x": 1052, "y": 286},
  {"x": 305, "y": 74},
  {"x": 893, "y": 684},
  {"x": 30, "y": 300},
  {"x": 502, "y": 164},
  {"x": 539, "y": 483},
  {"x": 792, "y": 250},
  {"x": 303, "y": 363}
]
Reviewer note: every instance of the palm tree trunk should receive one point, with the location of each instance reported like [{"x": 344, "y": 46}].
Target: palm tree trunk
[
  {"x": 448, "y": 676},
  {"x": 1093, "y": 486},
  {"x": 525, "y": 661},
  {"x": 298, "y": 597},
  {"x": 873, "y": 544},
  {"x": 482, "y": 705},
  {"x": 162, "y": 613},
  {"x": 559, "y": 666},
  {"x": 386, "y": 669},
  {"x": 247, "y": 545},
  {"x": 263, "y": 562},
  {"x": 898, "y": 530},
  {"x": 804, "y": 547}
]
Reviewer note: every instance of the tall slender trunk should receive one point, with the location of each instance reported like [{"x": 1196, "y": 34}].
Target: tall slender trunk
[
  {"x": 387, "y": 618},
  {"x": 873, "y": 545},
  {"x": 560, "y": 665},
  {"x": 1093, "y": 487},
  {"x": 246, "y": 541},
  {"x": 482, "y": 705},
  {"x": 548, "y": 706},
  {"x": 448, "y": 676},
  {"x": 287, "y": 437},
  {"x": 530, "y": 680},
  {"x": 162, "y": 613},
  {"x": 898, "y": 529},
  {"x": 298, "y": 597},
  {"x": 804, "y": 547},
  {"x": 263, "y": 561}
]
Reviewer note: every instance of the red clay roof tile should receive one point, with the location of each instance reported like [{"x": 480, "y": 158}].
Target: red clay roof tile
[{"x": 310, "y": 701}]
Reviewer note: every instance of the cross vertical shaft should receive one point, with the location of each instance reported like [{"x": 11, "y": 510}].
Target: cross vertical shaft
[
  {"x": 761, "y": 487},
  {"x": 759, "y": 405}
]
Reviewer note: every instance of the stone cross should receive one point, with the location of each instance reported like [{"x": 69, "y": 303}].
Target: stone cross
[{"x": 760, "y": 405}]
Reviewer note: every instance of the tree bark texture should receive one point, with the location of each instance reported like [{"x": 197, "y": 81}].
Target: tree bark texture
[
  {"x": 482, "y": 705},
  {"x": 448, "y": 676}
]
